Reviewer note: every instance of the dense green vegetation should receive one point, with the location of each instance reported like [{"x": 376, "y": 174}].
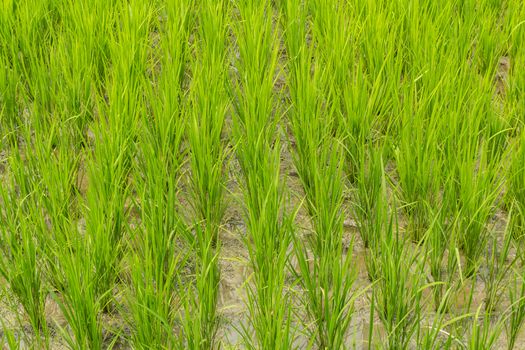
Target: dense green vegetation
[{"x": 285, "y": 174}]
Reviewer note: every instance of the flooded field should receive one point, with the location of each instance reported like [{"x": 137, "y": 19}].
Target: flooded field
[{"x": 255, "y": 174}]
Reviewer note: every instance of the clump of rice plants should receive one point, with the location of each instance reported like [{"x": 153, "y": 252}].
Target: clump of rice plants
[
  {"x": 258, "y": 147},
  {"x": 110, "y": 163},
  {"x": 157, "y": 261},
  {"x": 318, "y": 156},
  {"x": 516, "y": 319},
  {"x": 516, "y": 191},
  {"x": 21, "y": 245},
  {"x": 209, "y": 104},
  {"x": 396, "y": 270}
]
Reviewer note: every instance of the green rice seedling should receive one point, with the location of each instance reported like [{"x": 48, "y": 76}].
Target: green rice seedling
[
  {"x": 392, "y": 295},
  {"x": 443, "y": 257},
  {"x": 419, "y": 166},
  {"x": 9, "y": 339},
  {"x": 443, "y": 248},
  {"x": 349, "y": 91},
  {"x": 432, "y": 128},
  {"x": 21, "y": 245},
  {"x": 516, "y": 294},
  {"x": 514, "y": 78},
  {"x": 369, "y": 207},
  {"x": 328, "y": 283},
  {"x": 478, "y": 188},
  {"x": 154, "y": 294},
  {"x": 86, "y": 42},
  {"x": 20, "y": 25},
  {"x": 31, "y": 27},
  {"x": 73, "y": 290},
  {"x": 356, "y": 125},
  {"x": 105, "y": 225},
  {"x": 485, "y": 331},
  {"x": 110, "y": 163},
  {"x": 62, "y": 250},
  {"x": 56, "y": 166},
  {"x": 9, "y": 112},
  {"x": 373, "y": 225},
  {"x": 497, "y": 269},
  {"x": 382, "y": 61},
  {"x": 79, "y": 303},
  {"x": 319, "y": 160},
  {"x": 200, "y": 331},
  {"x": 399, "y": 286},
  {"x": 515, "y": 196},
  {"x": 436, "y": 245},
  {"x": 332, "y": 31},
  {"x": 61, "y": 82},
  {"x": 9, "y": 75},
  {"x": 157, "y": 261},
  {"x": 52, "y": 49},
  {"x": 45, "y": 148},
  {"x": 435, "y": 335},
  {"x": 359, "y": 118},
  {"x": 294, "y": 16},
  {"x": 255, "y": 131},
  {"x": 72, "y": 95},
  {"x": 209, "y": 104},
  {"x": 49, "y": 125}
]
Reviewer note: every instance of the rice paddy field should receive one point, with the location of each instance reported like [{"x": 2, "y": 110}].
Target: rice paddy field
[{"x": 255, "y": 174}]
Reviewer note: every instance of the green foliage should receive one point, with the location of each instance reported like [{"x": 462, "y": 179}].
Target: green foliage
[{"x": 390, "y": 130}]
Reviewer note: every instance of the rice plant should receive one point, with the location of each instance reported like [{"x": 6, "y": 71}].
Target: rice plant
[
  {"x": 258, "y": 147},
  {"x": 516, "y": 291},
  {"x": 515, "y": 194},
  {"x": 156, "y": 264},
  {"x": 396, "y": 270},
  {"x": 498, "y": 267},
  {"x": 22, "y": 245},
  {"x": 319, "y": 159},
  {"x": 369, "y": 209},
  {"x": 110, "y": 163},
  {"x": 209, "y": 106}
]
